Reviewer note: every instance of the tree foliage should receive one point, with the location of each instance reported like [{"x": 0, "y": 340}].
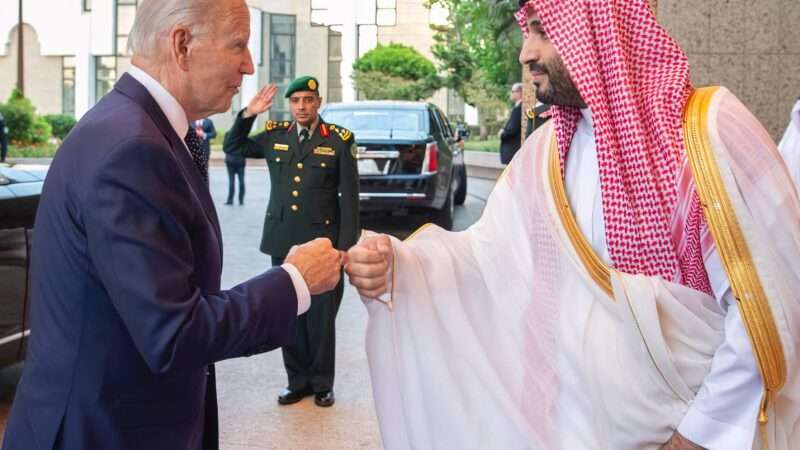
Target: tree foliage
[
  {"x": 479, "y": 49},
  {"x": 395, "y": 72}
]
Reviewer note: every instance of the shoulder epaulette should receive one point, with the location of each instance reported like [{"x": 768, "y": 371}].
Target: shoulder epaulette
[
  {"x": 343, "y": 133},
  {"x": 276, "y": 125}
]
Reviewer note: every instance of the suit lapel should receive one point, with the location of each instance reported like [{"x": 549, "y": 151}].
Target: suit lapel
[{"x": 128, "y": 86}]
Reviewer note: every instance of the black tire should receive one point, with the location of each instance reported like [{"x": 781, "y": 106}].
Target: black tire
[
  {"x": 461, "y": 193},
  {"x": 444, "y": 217}
]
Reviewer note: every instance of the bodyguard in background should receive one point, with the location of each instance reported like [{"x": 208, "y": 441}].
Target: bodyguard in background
[
  {"x": 235, "y": 163},
  {"x": 510, "y": 138},
  {"x": 314, "y": 193},
  {"x": 3, "y": 139}
]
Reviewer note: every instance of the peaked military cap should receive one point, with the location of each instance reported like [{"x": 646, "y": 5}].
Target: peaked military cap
[{"x": 305, "y": 83}]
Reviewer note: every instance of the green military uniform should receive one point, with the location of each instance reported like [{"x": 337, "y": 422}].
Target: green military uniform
[{"x": 314, "y": 193}]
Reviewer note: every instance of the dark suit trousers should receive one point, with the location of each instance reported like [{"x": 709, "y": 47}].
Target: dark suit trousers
[
  {"x": 310, "y": 361},
  {"x": 233, "y": 172}
]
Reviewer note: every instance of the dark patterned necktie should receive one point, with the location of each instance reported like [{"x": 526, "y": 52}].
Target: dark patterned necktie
[
  {"x": 195, "y": 149},
  {"x": 303, "y": 135}
]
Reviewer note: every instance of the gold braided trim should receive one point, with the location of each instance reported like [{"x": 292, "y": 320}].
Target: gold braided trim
[
  {"x": 418, "y": 231},
  {"x": 736, "y": 259},
  {"x": 599, "y": 272}
]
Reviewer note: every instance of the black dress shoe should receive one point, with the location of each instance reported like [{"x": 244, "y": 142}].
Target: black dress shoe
[
  {"x": 229, "y": 202},
  {"x": 324, "y": 399},
  {"x": 289, "y": 396}
]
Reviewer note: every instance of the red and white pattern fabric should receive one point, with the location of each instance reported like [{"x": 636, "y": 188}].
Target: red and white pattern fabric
[{"x": 635, "y": 79}]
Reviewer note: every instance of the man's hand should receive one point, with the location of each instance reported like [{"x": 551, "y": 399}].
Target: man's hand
[
  {"x": 318, "y": 262},
  {"x": 678, "y": 442},
  {"x": 262, "y": 101},
  {"x": 368, "y": 264}
]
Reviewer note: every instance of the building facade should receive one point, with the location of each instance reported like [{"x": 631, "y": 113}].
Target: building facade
[
  {"x": 360, "y": 25},
  {"x": 74, "y": 51}
]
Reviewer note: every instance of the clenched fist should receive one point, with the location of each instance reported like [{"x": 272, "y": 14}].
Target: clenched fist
[
  {"x": 318, "y": 262},
  {"x": 368, "y": 265}
]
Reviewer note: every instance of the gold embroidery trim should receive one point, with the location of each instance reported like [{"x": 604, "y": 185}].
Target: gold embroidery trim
[
  {"x": 418, "y": 231},
  {"x": 599, "y": 272},
  {"x": 736, "y": 259}
]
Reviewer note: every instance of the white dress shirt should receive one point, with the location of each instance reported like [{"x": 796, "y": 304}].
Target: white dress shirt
[
  {"x": 180, "y": 123},
  {"x": 724, "y": 413}
]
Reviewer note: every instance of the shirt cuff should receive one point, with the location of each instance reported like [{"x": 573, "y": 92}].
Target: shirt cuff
[
  {"x": 712, "y": 434},
  {"x": 300, "y": 288}
]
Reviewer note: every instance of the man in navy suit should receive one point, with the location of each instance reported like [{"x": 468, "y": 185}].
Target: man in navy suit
[{"x": 127, "y": 310}]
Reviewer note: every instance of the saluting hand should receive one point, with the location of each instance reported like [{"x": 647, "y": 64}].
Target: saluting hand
[
  {"x": 368, "y": 265},
  {"x": 262, "y": 101}
]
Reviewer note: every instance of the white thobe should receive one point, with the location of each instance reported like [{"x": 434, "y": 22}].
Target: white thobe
[
  {"x": 790, "y": 145},
  {"x": 724, "y": 413}
]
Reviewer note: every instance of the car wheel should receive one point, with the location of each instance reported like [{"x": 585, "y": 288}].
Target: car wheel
[
  {"x": 444, "y": 217},
  {"x": 461, "y": 193}
]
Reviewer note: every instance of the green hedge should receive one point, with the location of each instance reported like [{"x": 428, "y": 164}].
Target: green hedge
[
  {"x": 61, "y": 124},
  {"x": 24, "y": 126}
]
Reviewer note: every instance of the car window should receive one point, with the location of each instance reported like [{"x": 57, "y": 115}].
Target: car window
[
  {"x": 435, "y": 127},
  {"x": 446, "y": 123},
  {"x": 446, "y": 131},
  {"x": 376, "y": 119}
]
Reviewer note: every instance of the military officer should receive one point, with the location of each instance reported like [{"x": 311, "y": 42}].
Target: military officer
[{"x": 314, "y": 193}]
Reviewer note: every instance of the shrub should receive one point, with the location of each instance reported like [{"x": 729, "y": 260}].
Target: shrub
[
  {"x": 24, "y": 126},
  {"x": 60, "y": 123},
  {"x": 395, "y": 72},
  {"x": 40, "y": 132}
]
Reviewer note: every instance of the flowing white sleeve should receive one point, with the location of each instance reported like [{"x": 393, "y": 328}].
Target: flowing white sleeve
[{"x": 724, "y": 412}]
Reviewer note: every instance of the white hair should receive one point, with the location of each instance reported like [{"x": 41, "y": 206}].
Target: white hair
[
  {"x": 516, "y": 87},
  {"x": 155, "y": 18}
]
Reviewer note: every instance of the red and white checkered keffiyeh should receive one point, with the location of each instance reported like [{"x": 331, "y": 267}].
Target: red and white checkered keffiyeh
[{"x": 635, "y": 79}]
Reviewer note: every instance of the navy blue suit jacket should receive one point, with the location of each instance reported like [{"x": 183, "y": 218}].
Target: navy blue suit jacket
[{"x": 127, "y": 312}]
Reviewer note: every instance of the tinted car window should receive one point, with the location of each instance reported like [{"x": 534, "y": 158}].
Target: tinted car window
[
  {"x": 434, "y": 122},
  {"x": 401, "y": 120},
  {"x": 446, "y": 123},
  {"x": 442, "y": 123}
]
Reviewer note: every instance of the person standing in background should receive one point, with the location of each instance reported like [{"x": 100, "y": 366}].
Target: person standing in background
[
  {"x": 510, "y": 139},
  {"x": 313, "y": 193},
  {"x": 235, "y": 163},
  {"x": 3, "y": 139}
]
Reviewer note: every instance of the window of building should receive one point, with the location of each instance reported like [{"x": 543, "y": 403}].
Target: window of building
[
  {"x": 125, "y": 15},
  {"x": 263, "y": 37},
  {"x": 282, "y": 38},
  {"x": 319, "y": 12},
  {"x": 68, "y": 85},
  {"x": 334, "y": 65},
  {"x": 386, "y": 14},
  {"x": 87, "y": 5},
  {"x": 105, "y": 74}
]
